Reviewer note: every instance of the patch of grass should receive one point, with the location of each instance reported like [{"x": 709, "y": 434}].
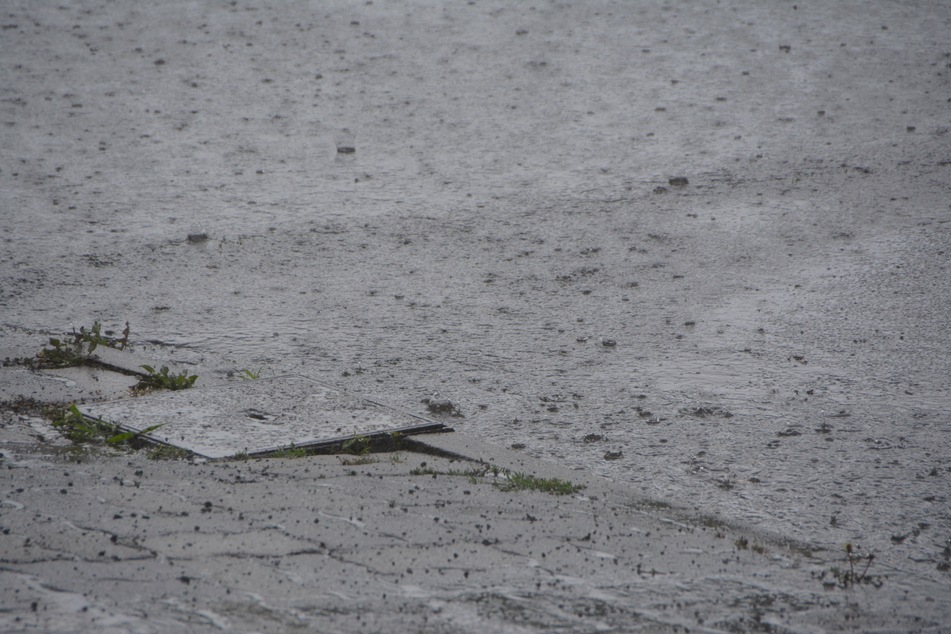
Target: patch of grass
[
  {"x": 77, "y": 348},
  {"x": 163, "y": 379},
  {"x": 506, "y": 480},
  {"x": 472, "y": 474},
  {"x": 524, "y": 482},
  {"x": 250, "y": 375}
]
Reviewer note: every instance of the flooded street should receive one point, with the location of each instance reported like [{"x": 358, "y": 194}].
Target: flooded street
[{"x": 700, "y": 250}]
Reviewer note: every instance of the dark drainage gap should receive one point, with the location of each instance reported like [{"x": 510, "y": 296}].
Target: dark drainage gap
[{"x": 375, "y": 442}]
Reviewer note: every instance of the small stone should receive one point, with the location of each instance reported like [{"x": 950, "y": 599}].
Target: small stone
[
  {"x": 198, "y": 236},
  {"x": 678, "y": 181},
  {"x": 612, "y": 455},
  {"x": 346, "y": 149},
  {"x": 608, "y": 343}
]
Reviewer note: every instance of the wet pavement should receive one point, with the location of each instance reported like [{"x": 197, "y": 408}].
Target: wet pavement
[
  {"x": 397, "y": 541},
  {"x": 260, "y": 417},
  {"x": 699, "y": 250}
]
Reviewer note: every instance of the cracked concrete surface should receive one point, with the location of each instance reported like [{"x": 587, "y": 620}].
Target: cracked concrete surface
[{"x": 94, "y": 539}]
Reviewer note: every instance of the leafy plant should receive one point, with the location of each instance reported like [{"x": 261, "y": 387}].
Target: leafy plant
[
  {"x": 358, "y": 446},
  {"x": 163, "y": 379},
  {"x": 79, "y": 429},
  {"x": 72, "y": 424},
  {"x": 249, "y": 375},
  {"x": 77, "y": 348}
]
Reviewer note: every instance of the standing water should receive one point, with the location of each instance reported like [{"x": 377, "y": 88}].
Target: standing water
[{"x": 699, "y": 257}]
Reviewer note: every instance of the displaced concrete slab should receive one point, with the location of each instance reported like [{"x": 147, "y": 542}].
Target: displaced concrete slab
[{"x": 257, "y": 416}]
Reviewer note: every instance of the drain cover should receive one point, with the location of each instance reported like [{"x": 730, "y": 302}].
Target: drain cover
[{"x": 256, "y": 417}]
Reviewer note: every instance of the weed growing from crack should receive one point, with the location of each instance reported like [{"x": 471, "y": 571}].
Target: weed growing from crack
[
  {"x": 358, "y": 446},
  {"x": 506, "y": 480},
  {"x": 78, "y": 348},
  {"x": 291, "y": 452},
  {"x": 163, "y": 379},
  {"x": 845, "y": 578},
  {"x": 522, "y": 482},
  {"x": 168, "y": 452},
  {"x": 472, "y": 474},
  {"x": 250, "y": 375},
  {"x": 81, "y": 430}
]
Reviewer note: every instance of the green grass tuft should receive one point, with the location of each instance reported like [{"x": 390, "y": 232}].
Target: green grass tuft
[{"x": 523, "y": 482}]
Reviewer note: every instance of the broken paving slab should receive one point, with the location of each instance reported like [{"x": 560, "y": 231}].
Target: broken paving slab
[{"x": 257, "y": 417}]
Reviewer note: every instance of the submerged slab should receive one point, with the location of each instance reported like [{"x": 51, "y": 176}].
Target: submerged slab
[{"x": 256, "y": 416}]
